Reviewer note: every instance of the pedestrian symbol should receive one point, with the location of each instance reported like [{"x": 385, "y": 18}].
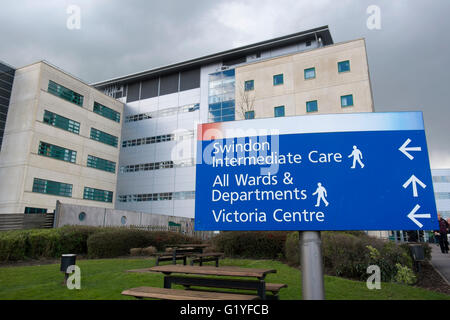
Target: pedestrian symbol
[
  {"x": 357, "y": 156},
  {"x": 321, "y": 194}
]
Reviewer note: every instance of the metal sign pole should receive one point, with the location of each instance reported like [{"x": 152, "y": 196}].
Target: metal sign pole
[{"x": 311, "y": 265}]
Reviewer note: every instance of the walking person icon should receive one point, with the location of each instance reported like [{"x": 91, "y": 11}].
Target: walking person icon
[
  {"x": 357, "y": 156},
  {"x": 321, "y": 194}
]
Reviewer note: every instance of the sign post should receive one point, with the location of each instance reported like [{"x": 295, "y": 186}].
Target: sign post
[
  {"x": 312, "y": 266},
  {"x": 360, "y": 171}
]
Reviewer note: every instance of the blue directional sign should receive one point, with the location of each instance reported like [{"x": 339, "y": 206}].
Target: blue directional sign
[{"x": 363, "y": 171}]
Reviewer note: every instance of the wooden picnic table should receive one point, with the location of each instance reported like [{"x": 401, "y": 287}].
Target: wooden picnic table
[
  {"x": 181, "y": 252},
  {"x": 184, "y": 245},
  {"x": 259, "y": 285}
]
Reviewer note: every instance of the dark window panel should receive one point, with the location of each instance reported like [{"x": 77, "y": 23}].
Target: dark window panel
[
  {"x": 168, "y": 84},
  {"x": 190, "y": 79},
  {"x": 133, "y": 91},
  {"x": 149, "y": 88},
  {"x": 7, "y": 85},
  {"x": 3, "y": 109},
  {"x": 232, "y": 62},
  {"x": 4, "y": 101},
  {"x": 6, "y": 69},
  {"x": 6, "y": 77}
]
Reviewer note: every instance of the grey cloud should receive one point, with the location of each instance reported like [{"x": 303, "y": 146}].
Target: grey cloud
[{"x": 408, "y": 57}]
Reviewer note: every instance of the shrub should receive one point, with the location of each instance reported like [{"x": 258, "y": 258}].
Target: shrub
[
  {"x": 13, "y": 245},
  {"x": 114, "y": 242},
  {"x": 349, "y": 254},
  {"x": 149, "y": 251},
  {"x": 135, "y": 251},
  {"x": 51, "y": 243},
  {"x": 404, "y": 275},
  {"x": 74, "y": 238},
  {"x": 43, "y": 243},
  {"x": 252, "y": 244}
]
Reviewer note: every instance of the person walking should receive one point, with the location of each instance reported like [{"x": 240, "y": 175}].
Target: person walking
[
  {"x": 357, "y": 156},
  {"x": 442, "y": 233},
  {"x": 321, "y": 194}
]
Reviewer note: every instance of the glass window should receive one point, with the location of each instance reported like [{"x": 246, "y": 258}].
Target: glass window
[
  {"x": 106, "y": 112},
  {"x": 65, "y": 93},
  {"x": 347, "y": 101},
  {"x": 311, "y": 106},
  {"x": 97, "y": 194},
  {"x": 249, "y": 85},
  {"x": 56, "y": 152},
  {"x": 250, "y": 115},
  {"x": 101, "y": 164},
  {"x": 310, "y": 73},
  {"x": 30, "y": 210},
  {"x": 278, "y": 79},
  {"x": 344, "y": 66},
  {"x": 61, "y": 122},
  {"x": 279, "y": 111},
  {"x": 52, "y": 187},
  {"x": 103, "y": 137},
  {"x": 82, "y": 216}
]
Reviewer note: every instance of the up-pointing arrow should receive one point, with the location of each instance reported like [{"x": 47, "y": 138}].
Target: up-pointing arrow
[
  {"x": 414, "y": 181},
  {"x": 404, "y": 149},
  {"x": 412, "y": 215}
]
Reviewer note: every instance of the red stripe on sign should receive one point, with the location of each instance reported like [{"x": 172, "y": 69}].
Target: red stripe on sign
[{"x": 210, "y": 131}]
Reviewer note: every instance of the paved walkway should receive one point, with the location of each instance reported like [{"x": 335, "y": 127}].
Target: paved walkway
[{"x": 440, "y": 261}]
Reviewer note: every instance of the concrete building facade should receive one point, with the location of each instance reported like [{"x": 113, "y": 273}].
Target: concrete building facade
[{"x": 61, "y": 142}]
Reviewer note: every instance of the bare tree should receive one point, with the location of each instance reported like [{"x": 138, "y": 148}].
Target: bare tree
[{"x": 246, "y": 101}]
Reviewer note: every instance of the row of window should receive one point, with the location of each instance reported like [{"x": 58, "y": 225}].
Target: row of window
[
  {"x": 157, "y": 165},
  {"x": 442, "y": 195},
  {"x": 158, "y": 139},
  {"x": 162, "y": 113},
  {"x": 65, "y": 190},
  {"x": 309, "y": 73},
  {"x": 64, "y": 123},
  {"x": 60, "y": 153},
  {"x": 76, "y": 98},
  {"x": 441, "y": 179},
  {"x": 180, "y": 195},
  {"x": 104, "y": 137},
  {"x": 311, "y": 106}
]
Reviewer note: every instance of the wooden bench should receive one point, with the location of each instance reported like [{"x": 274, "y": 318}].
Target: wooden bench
[
  {"x": 227, "y": 278},
  {"x": 170, "y": 257},
  {"x": 176, "y": 294},
  {"x": 205, "y": 257},
  {"x": 238, "y": 284}
]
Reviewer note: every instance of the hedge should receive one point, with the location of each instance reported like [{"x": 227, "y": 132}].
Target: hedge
[
  {"x": 84, "y": 240},
  {"x": 251, "y": 244},
  {"x": 111, "y": 243}
]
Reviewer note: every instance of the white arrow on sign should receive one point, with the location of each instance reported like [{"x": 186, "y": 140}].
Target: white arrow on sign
[
  {"x": 405, "y": 150},
  {"x": 412, "y": 215},
  {"x": 414, "y": 181}
]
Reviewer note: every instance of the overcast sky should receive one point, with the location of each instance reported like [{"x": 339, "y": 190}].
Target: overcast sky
[{"x": 409, "y": 57}]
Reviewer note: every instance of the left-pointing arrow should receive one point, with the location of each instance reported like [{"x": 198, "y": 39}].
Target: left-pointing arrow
[
  {"x": 412, "y": 215},
  {"x": 414, "y": 181}
]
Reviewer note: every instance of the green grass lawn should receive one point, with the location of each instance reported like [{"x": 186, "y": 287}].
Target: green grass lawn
[{"x": 105, "y": 279}]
